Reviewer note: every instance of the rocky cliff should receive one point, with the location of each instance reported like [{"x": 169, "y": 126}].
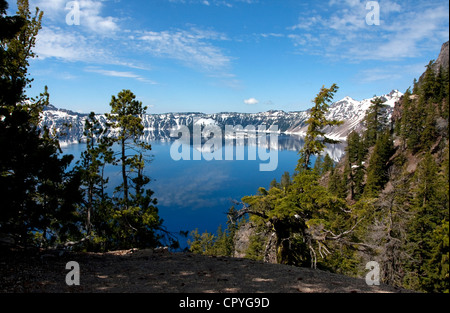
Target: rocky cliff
[{"x": 442, "y": 61}]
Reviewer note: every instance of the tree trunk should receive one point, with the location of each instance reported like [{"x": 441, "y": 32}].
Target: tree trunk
[
  {"x": 124, "y": 174},
  {"x": 282, "y": 243},
  {"x": 89, "y": 208}
]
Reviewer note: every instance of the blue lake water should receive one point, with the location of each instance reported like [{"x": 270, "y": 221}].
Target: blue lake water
[{"x": 196, "y": 194}]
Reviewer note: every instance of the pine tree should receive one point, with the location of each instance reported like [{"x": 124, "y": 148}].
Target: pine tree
[
  {"x": 337, "y": 184},
  {"x": 438, "y": 264},
  {"x": 97, "y": 204},
  {"x": 318, "y": 164},
  {"x": 375, "y": 121},
  {"x": 429, "y": 133},
  {"x": 442, "y": 90},
  {"x": 202, "y": 244},
  {"x": 126, "y": 116},
  {"x": 136, "y": 215},
  {"x": 144, "y": 217},
  {"x": 39, "y": 196},
  {"x": 430, "y": 216},
  {"x": 414, "y": 127},
  {"x": 18, "y": 39},
  {"x": 355, "y": 154},
  {"x": 415, "y": 87},
  {"x": 328, "y": 164},
  {"x": 306, "y": 221},
  {"x": 428, "y": 90},
  {"x": 316, "y": 140},
  {"x": 285, "y": 181},
  {"x": 274, "y": 184},
  {"x": 446, "y": 100},
  {"x": 440, "y": 85},
  {"x": 377, "y": 171},
  {"x": 404, "y": 127}
]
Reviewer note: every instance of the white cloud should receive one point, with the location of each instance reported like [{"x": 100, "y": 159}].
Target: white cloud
[
  {"x": 391, "y": 73},
  {"x": 202, "y": 181},
  {"x": 267, "y": 35},
  {"x": 90, "y": 14},
  {"x": 340, "y": 31},
  {"x": 52, "y": 8},
  {"x": 306, "y": 22},
  {"x": 227, "y": 3},
  {"x": 377, "y": 74},
  {"x": 390, "y": 7},
  {"x": 191, "y": 47},
  {"x": 251, "y": 101},
  {"x": 69, "y": 46},
  {"x": 407, "y": 36},
  {"x": 98, "y": 40},
  {"x": 123, "y": 74},
  {"x": 73, "y": 46}
]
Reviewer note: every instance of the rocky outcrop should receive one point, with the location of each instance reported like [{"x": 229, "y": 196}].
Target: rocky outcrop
[
  {"x": 443, "y": 58},
  {"x": 441, "y": 61}
]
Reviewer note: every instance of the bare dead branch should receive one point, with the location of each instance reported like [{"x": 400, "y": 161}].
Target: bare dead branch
[
  {"x": 246, "y": 209},
  {"x": 336, "y": 237}
]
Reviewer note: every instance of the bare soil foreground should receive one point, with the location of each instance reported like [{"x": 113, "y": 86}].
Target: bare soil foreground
[{"x": 147, "y": 271}]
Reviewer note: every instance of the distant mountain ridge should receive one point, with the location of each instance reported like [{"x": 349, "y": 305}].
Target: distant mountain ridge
[{"x": 349, "y": 110}]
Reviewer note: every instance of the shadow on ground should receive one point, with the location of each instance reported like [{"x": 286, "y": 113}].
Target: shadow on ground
[{"x": 146, "y": 271}]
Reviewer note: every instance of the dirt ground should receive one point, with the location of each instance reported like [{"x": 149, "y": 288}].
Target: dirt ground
[{"x": 148, "y": 271}]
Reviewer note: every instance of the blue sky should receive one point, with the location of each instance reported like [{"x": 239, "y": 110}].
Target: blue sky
[{"x": 231, "y": 55}]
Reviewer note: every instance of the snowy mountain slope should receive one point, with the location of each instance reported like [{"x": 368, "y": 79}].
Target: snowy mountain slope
[
  {"x": 352, "y": 112},
  {"x": 158, "y": 126}
]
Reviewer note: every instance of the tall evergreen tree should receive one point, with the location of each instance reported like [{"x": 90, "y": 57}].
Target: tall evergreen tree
[
  {"x": 377, "y": 171},
  {"x": 285, "y": 180},
  {"x": 446, "y": 92},
  {"x": 430, "y": 219},
  {"x": 91, "y": 166},
  {"x": 316, "y": 140},
  {"x": 440, "y": 90},
  {"x": 39, "y": 196},
  {"x": 126, "y": 117},
  {"x": 375, "y": 121},
  {"x": 355, "y": 154},
  {"x": 274, "y": 184},
  {"x": 18, "y": 38},
  {"x": 337, "y": 184},
  {"x": 429, "y": 133},
  {"x": 306, "y": 220},
  {"x": 318, "y": 165},
  {"x": 328, "y": 164},
  {"x": 428, "y": 90},
  {"x": 137, "y": 215},
  {"x": 144, "y": 217},
  {"x": 415, "y": 90},
  {"x": 404, "y": 125},
  {"x": 414, "y": 127}
]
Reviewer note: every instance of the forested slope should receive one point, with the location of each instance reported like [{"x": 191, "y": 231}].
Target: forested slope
[{"x": 387, "y": 200}]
